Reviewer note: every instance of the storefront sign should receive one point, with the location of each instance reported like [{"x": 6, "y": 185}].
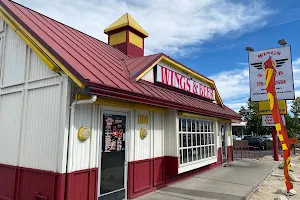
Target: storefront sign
[
  {"x": 267, "y": 120},
  {"x": 284, "y": 73},
  {"x": 264, "y": 107},
  {"x": 177, "y": 79}
]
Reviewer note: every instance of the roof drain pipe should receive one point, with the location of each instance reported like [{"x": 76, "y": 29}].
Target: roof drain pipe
[{"x": 72, "y": 128}]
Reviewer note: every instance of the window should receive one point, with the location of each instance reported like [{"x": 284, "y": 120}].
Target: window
[{"x": 196, "y": 140}]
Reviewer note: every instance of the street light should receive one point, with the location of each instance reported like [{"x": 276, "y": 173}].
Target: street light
[
  {"x": 282, "y": 42},
  {"x": 249, "y": 49}
]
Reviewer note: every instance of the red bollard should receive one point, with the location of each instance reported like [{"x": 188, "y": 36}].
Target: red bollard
[{"x": 241, "y": 152}]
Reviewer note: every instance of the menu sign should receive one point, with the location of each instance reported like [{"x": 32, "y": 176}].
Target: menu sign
[
  {"x": 113, "y": 133},
  {"x": 267, "y": 120}
]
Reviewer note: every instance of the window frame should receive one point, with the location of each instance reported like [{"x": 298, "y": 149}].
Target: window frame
[{"x": 201, "y": 130}]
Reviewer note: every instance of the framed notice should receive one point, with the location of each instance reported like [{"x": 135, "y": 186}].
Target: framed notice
[
  {"x": 284, "y": 81},
  {"x": 267, "y": 120}
]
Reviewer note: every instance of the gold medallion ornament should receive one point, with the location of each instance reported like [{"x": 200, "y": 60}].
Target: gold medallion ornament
[
  {"x": 84, "y": 133},
  {"x": 143, "y": 133}
]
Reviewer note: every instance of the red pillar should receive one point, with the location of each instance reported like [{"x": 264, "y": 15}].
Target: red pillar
[{"x": 275, "y": 144}]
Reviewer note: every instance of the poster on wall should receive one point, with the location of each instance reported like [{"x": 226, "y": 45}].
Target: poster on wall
[
  {"x": 284, "y": 73},
  {"x": 267, "y": 120},
  {"x": 113, "y": 133}
]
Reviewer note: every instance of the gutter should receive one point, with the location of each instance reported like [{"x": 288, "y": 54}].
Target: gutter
[{"x": 156, "y": 102}]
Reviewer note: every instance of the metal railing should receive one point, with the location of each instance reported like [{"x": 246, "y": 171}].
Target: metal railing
[{"x": 246, "y": 152}]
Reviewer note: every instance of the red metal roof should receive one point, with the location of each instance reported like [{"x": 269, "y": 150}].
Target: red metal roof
[
  {"x": 104, "y": 69},
  {"x": 137, "y": 65}
]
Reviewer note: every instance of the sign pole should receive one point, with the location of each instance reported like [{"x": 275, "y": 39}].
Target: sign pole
[
  {"x": 275, "y": 144},
  {"x": 294, "y": 149}
]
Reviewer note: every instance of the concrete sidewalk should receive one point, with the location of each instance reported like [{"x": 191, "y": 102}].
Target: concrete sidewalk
[{"x": 237, "y": 181}]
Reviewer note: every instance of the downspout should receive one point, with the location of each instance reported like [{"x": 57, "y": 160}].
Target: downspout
[
  {"x": 71, "y": 134},
  {"x": 72, "y": 125}
]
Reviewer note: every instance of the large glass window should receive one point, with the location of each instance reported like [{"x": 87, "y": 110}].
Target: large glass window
[{"x": 196, "y": 140}]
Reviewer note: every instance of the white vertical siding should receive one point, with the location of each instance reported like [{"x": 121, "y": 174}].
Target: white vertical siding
[
  {"x": 33, "y": 108},
  {"x": 158, "y": 134},
  {"x": 38, "y": 69},
  {"x": 14, "y": 59},
  {"x": 10, "y": 125},
  {"x": 1, "y": 25},
  {"x": 130, "y": 137},
  {"x": 171, "y": 133},
  {"x": 63, "y": 132},
  {"x": 142, "y": 146},
  {"x": 218, "y": 134},
  {"x": 94, "y": 138},
  {"x": 40, "y": 135},
  {"x": 229, "y": 134},
  {"x": 83, "y": 150},
  {"x": 149, "y": 76}
]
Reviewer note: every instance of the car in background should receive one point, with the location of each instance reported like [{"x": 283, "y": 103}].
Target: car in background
[
  {"x": 238, "y": 138},
  {"x": 268, "y": 138},
  {"x": 257, "y": 142},
  {"x": 235, "y": 137},
  {"x": 246, "y": 137}
]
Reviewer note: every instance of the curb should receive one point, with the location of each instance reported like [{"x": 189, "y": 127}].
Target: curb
[{"x": 255, "y": 188}]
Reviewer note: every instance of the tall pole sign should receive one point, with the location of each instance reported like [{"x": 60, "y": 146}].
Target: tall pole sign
[{"x": 271, "y": 78}]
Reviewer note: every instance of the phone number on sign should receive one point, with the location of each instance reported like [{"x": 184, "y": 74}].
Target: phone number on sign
[{"x": 278, "y": 82}]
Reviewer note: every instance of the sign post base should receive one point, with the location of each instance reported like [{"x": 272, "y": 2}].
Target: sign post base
[{"x": 275, "y": 144}]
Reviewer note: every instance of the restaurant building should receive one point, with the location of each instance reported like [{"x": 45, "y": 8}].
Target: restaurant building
[{"x": 81, "y": 119}]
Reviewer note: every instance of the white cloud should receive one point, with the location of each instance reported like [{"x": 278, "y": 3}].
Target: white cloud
[
  {"x": 232, "y": 84},
  {"x": 173, "y": 26},
  {"x": 242, "y": 63},
  {"x": 288, "y": 104},
  {"x": 236, "y": 105},
  {"x": 296, "y": 70},
  {"x": 296, "y": 62}
]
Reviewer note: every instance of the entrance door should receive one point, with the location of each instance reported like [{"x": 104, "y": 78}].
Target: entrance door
[
  {"x": 224, "y": 144},
  {"x": 112, "y": 169}
]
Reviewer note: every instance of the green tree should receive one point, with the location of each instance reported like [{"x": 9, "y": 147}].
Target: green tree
[
  {"x": 292, "y": 125},
  {"x": 254, "y": 122},
  {"x": 237, "y": 130},
  {"x": 295, "y": 108}
]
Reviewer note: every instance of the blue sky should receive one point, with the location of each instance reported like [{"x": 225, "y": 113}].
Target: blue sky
[{"x": 209, "y": 36}]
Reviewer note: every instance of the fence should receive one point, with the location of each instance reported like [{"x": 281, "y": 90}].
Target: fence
[{"x": 246, "y": 152}]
